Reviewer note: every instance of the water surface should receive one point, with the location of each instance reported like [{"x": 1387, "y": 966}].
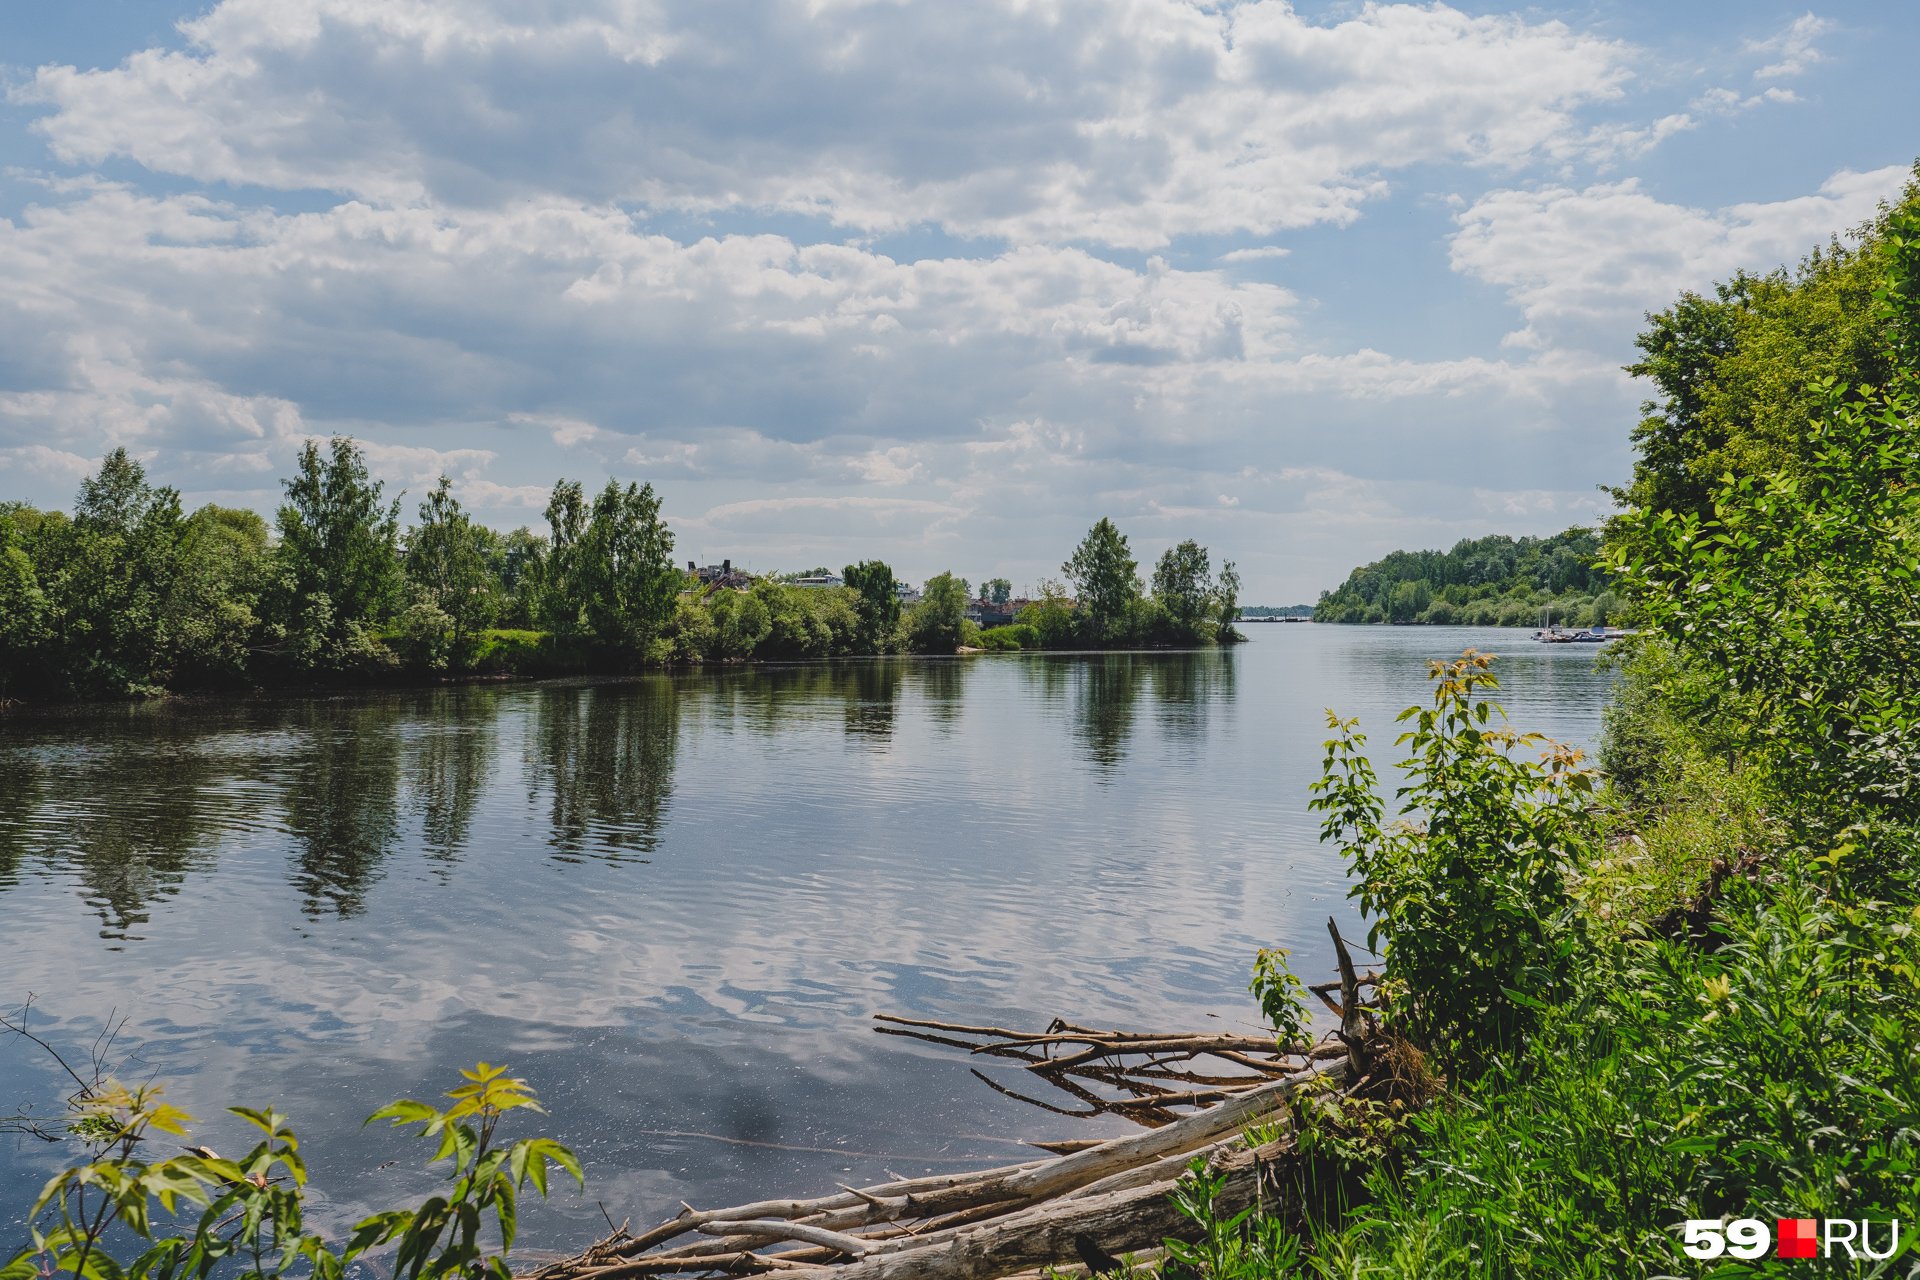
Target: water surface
[{"x": 674, "y": 902}]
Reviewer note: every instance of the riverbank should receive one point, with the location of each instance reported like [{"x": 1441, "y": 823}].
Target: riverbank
[{"x": 510, "y": 656}]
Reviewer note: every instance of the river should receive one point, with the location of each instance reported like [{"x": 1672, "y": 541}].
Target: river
[{"x": 673, "y": 903}]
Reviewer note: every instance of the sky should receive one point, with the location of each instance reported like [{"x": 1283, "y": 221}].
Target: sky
[{"x": 936, "y": 283}]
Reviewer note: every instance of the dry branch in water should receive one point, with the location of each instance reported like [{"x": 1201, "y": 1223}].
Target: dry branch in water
[{"x": 1004, "y": 1221}]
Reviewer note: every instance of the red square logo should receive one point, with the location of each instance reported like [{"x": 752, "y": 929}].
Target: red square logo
[{"x": 1799, "y": 1238}]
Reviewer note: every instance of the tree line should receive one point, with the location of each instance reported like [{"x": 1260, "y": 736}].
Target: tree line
[
  {"x": 129, "y": 595},
  {"x": 1490, "y": 581}
]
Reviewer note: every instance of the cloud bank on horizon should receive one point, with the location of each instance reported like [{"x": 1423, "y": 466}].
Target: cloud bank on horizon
[{"x": 937, "y": 283}]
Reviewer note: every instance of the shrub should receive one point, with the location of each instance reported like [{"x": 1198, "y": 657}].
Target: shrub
[
  {"x": 1015, "y": 636},
  {"x": 1469, "y": 890}
]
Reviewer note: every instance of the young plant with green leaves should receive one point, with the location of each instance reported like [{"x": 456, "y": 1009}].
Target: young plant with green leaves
[
  {"x": 252, "y": 1208},
  {"x": 1467, "y": 890},
  {"x": 1283, "y": 997},
  {"x": 484, "y": 1178}
]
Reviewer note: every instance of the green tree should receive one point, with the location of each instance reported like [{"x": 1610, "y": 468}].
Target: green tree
[
  {"x": 340, "y": 547},
  {"x": 1183, "y": 584},
  {"x": 878, "y": 605},
  {"x": 561, "y": 596},
  {"x": 740, "y": 623},
  {"x": 446, "y": 561},
  {"x": 624, "y": 569},
  {"x": 1103, "y": 573},
  {"x": 107, "y": 576},
  {"x": 1475, "y": 569},
  {"x": 518, "y": 562},
  {"x": 1410, "y": 600},
  {"x": 213, "y": 616},
  {"x": 1741, "y": 373},
  {"x": 1468, "y": 890},
  {"x": 23, "y": 608},
  {"x": 938, "y": 623},
  {"x": 1052, "y": 621},
  {"x": 1226, "y": 603},
  {"x": 998, "y": 590}
]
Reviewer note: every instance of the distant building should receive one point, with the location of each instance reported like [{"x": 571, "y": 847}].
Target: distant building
[
  {"x": 985, "y": 613},
  {"x": 821, "y": 580},
  {"x": 722, "y": 576},
  {"x": 907, "y": 594}
]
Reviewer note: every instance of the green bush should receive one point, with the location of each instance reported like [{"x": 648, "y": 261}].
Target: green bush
[
  {"x": 1014, "y": 636},
  {"x": 1467, "y": 893}
]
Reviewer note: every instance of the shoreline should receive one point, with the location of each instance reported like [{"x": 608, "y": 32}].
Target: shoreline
[{"x": 320, "y": 690}]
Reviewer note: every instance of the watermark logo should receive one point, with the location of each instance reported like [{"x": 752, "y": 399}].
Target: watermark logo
[
  {"x": 1789, "y": 1238},
  {"x": 1797, "y": 1238}
]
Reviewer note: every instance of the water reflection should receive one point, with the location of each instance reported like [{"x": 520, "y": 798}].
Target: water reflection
[
  {"x": 871, "y": 699},
  {"x": 449, "y": 763},
  {"x": 943, "y": 687},
  {"x": 1105, "y": 698},
  {"x": 129, "y": 834},
  {"x": 342, "y": 802},
  {"x": 606, "y": 754},
  {"x": 1187, "y": 695},
  {"x": 20, "y": 795}
]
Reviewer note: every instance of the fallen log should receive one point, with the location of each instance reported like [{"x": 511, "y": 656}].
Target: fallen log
[
  {"x": 775, "y": 1229},
  {"x": 1087, "y": 1202}
]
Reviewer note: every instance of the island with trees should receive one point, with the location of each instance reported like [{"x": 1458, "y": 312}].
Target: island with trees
[{"x": 1495, "y": 581}]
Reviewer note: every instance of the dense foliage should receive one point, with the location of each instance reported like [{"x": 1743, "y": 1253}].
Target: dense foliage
[
  {"x": 1713, "y": 1012},
  {"x": 128, "y": 596},
  {"x": 1490, "y": 581}
]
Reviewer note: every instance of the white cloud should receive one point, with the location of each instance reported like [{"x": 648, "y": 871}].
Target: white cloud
[
  {"x": 1794, "y": 47},
  {"x": 418, "y": 468},
  {"x": 1583, "y": 265},
  {"x": 1727, "y": 102},
  {"x": 38, "y": 460},
  {"x": 1076, "y": 120},
  {"x": 1571, "y": 507},
  {"x": 1254, "y": 255}
]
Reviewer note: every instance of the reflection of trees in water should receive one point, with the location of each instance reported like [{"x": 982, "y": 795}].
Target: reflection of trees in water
[
  {"x": 342, "y": 801},
  {"x": 20, "y": 797},
  {"x": 1187, "y": 688},
  {"x": 1107, "y": 695},
  {"x": 129, "y": 823},
  {"x": 1050, "y": 677},
  {"x": 607, "y": 753},
  {"x": 1102, "y": 693},
  {"x": 864, "y": 694},
  {"x": 448, "y": 765},
  {"x": 872, "y": 699},
  {"x": 943, "y": 685}
]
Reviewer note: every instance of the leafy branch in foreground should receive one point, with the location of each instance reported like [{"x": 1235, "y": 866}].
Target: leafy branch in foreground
[{"x": 252, "y": 1207}]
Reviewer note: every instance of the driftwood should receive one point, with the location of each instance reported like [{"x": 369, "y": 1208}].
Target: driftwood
[{"x": 1087, "y": 1200}]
